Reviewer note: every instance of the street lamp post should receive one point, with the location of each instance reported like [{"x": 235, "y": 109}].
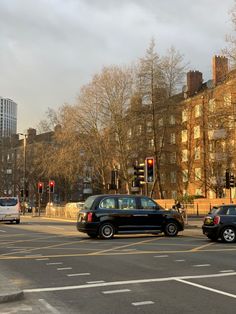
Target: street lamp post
[{"x": 24, "y": 170}]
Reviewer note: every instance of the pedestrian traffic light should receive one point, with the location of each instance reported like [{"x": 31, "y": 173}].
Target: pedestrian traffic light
[
  {"x": 51, "y": 186},
  {"x": 149, "y": 169},
  {"x": 40, "y": 187},
  {"x": 139, "y": 175}
]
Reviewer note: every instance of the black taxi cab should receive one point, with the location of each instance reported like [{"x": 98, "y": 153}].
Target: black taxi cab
[{"x": 107, "y": 215}]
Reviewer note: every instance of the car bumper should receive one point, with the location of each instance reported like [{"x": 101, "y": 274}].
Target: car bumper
[
  {"x": 87, "y": 226},
  {"x": 211, "y": 230},
  {"x": 9, "y": 217}
]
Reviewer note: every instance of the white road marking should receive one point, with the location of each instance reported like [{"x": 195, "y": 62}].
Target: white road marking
[
  {"x": 49, "y": 307},
  {"x": 128, "y": 282},
  {"x": 56, "y": 227},
  {"x": 115, "y": 291},
  {"x": 81, "y": 274},
  {"x": 2, "y": 230},
  {"x": 98, "y": 281},
  {"x": 42, "y": 259},
  {"x": 142, "y": 303},
  {"x": 180, "y": 260},
  {"x": 202, "y": 265},
  {"x": 207, "y": 288},
  {"x": 64, "y": 268},
  {"x": 227, "y": 271},
  {"x": 58, "y": 263},
  {"x": 161, "y": 256},
  {"x": 35, "y": 255}
]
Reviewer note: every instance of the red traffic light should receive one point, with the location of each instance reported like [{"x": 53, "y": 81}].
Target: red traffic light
[
  {"x": 40, "y": 187},
  {"x": 150, "y": 161},
  {"x": 51, "y": 186}
]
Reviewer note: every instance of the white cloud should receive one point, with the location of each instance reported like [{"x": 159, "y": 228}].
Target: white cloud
[{"x": 50, "y": 48}]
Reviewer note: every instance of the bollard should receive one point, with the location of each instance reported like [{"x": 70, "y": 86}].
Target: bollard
[{"x": 197, "y": 210}]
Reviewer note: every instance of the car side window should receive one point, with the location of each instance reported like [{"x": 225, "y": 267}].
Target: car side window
[
  {"x": 126, "y": 203},
  {"x": 147, "y": 203},
  {"x": 108, "y": 203},
  {"x": 231, "y": 211}
]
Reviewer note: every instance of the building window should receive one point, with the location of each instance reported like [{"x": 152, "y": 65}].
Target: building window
[
  {"x": 211, "y": 105},
  {"x": 174, "y": 194},
  {"x": 149, "y": 126},
  {"x": 184, "y": 136},
  {"x": 197, "y": 174},
  {"x": 185, "y": 175},
  {"x": 172, "y": 138},
  {"x": 184, "y": 115},
  {"x": 129, "y": 133},
  {"x": 196, "y": 131},
  {"x": 227, "y": 100},
  {"x": 160, "y": 122},
  {"x": 184, "y": 155},
  {"x": 198, "y": 111},
  {"x": 139, "y": 129},
  {"x": 173, "y": 177},
  {"x": 163, "y": 178},
  {"x": 172, "y": 120},
  {"x": 197, "y": 152},
  {"x": 198, "y": 192},
  {"x": 151, "y": 143},
  {"x": 173, "y": 157}
]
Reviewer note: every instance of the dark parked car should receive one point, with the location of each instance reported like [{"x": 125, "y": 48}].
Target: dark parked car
[
  {"x": 106, "y": 215},
  {"x": 221, "y": 223}
]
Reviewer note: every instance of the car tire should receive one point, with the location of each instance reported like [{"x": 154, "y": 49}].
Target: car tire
[
  {"x": 171, "y": 229},
  {"x": 228, "y": 235},
  {"x": 92, "y": 235},
  {"x": 106, "y": 231},
  {"x": 17, "y": 221}
]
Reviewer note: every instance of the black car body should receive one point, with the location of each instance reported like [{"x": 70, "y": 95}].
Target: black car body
[
  {"x": 106, "y": 215},
  {"x": 221, "y": 223}
]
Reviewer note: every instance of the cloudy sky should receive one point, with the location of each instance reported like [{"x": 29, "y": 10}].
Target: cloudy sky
[{"x": 50, "y": 48}]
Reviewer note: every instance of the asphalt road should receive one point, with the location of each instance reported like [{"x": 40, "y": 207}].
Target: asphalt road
[{"x": 63, "y": 271}]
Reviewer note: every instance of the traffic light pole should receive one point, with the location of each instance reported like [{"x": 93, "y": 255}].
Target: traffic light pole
[{"x": 39, "y": 203}]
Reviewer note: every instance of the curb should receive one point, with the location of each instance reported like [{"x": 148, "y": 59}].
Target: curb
[{"x": 9, "y": 292}]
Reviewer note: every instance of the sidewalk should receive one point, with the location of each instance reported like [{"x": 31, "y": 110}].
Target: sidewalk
[{"x": 8, "y": 291}]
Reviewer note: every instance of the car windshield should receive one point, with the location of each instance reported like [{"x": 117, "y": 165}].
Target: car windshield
[
  {"x": 89, "y": 202},
  {"x": 8, "y": 201}
]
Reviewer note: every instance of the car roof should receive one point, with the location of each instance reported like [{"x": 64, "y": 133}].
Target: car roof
[{"x": 117, "y": 195}]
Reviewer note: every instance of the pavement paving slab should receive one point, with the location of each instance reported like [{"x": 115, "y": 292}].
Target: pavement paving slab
[{"x": 8, "y": 291}]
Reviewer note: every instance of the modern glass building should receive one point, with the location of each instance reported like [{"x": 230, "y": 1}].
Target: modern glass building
[{"x": 8, "y": 117}]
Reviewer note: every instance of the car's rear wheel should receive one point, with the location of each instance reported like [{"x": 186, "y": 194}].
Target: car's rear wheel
[
  {"x": 17, "y": 221},
  {"x": 92, "y": 235},
  {"x": 106, "y": 231},
  {"x": 171, "y": 229},
  {"x": 228, "y": 234}
]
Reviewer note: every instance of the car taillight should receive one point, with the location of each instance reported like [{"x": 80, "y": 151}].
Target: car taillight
[
  {"x": 216, "y": 220},
  {"x": 89, "y": 217}
]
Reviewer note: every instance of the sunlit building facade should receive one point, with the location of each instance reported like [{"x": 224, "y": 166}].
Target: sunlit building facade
[{"x": 8, "y": 117}]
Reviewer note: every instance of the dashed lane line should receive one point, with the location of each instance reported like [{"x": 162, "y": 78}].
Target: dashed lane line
[
  {"x": 81, "y": 274},
  {"x": 116, "y": 291},
  {"x": 202, "y": 265},
  {"x": 142, "y": 303},
  {"x": 126, "y": 282}
]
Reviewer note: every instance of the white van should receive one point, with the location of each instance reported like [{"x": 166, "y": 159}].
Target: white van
[{"x": 10, "y": 209}]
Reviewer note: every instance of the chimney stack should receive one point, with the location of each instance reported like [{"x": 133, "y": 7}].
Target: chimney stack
[
  {"x": 220, "y": 68},
  {"x": 194, "y": 82}
]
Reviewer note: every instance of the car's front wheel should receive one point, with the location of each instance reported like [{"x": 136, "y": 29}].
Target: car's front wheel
[
  {"x": 171, "y": 229},
  {"x": 106, "y": 231},
  {"x": 228, "y": 234}
]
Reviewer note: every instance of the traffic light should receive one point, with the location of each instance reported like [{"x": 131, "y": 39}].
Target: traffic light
[
  {"x": 149, "y": 169},
  {"x": 51, "y": 186},
  {"x": 227, "y": 179},
  {"x": 139, "y": 175},
  {"x": 231, "y": 181},
  {"x": 40, "y": 187}
]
